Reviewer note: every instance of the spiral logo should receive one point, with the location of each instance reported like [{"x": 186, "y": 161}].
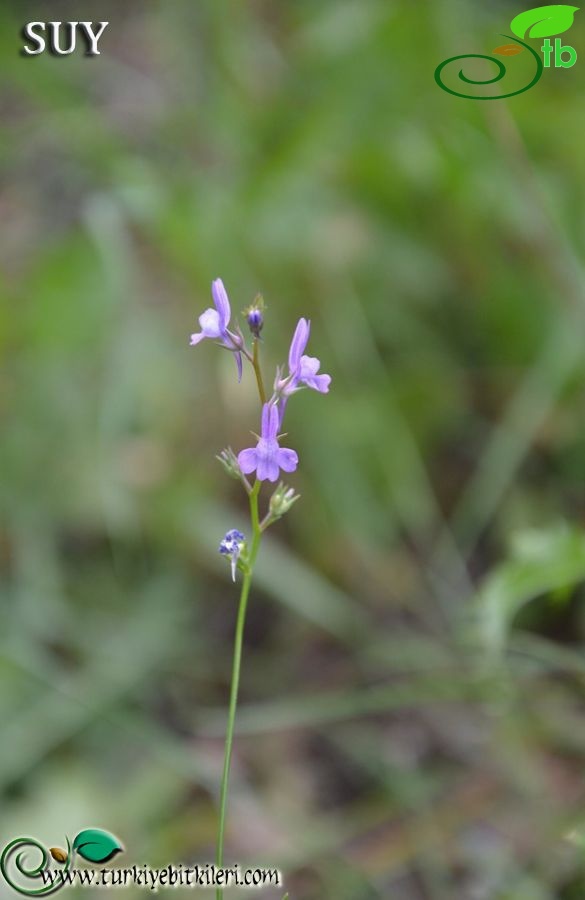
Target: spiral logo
[
  {"x": 501, "y": 72},
  {"x": 17, "y": 869},
  {"x": 540, "y": 22}
]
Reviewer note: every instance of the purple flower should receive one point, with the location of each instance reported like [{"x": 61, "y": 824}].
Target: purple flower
[
  {"x": 267, "y": 458},
  {"x": 214, "y": 324},
  {"x": 302, "y": 370}
]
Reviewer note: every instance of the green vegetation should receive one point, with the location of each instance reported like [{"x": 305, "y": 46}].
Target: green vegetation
[{"x": 411, "y": 721}]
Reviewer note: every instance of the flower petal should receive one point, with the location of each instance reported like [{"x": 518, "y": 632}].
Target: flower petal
[
  {"x": 298, "y": 344},
  {"x": 273, "y": 470},
  {"x": 267, "y": 469},
  {"x": 269, "y": 421},
  {"x": 222, "y": 303},
  {"x": 319, "y": 383},
  {"x": 287, "y": 459},
  {"x": 262, "y": 470},
  {"x": 248, "y": 460},
  {"x": 195, "y": 338},
  {"x": 308, "y": 368},
  {"x": 210, "y": 323},
  {"x": 309, "y": 365}
]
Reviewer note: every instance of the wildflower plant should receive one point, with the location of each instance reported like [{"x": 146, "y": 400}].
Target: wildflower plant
[{"x": 265, "y": 461}]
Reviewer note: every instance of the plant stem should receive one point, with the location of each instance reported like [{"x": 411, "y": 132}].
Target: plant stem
[
  {"x": 258, "y": 371},
  {"x": 237, "y": 660}
]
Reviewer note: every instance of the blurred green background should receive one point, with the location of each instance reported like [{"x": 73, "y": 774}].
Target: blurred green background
[{"x": 411, "y": 721}]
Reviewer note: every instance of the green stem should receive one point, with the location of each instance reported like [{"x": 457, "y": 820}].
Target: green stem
[
  {"x": 258, "y": 371},
  {"x": 237, "y": 661}
]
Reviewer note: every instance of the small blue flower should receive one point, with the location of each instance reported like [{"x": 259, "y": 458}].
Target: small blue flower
[{"x": 232, "y": 545}]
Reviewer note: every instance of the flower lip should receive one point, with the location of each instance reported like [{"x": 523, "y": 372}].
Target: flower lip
[
  {"x": 210, "y": 322},
  {"x": 308, "y": 374}
]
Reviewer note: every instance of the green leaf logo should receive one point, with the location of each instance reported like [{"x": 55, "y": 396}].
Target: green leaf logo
[
  {"x": 97, "y": 846},
  {"x": 544, "y": 21}
]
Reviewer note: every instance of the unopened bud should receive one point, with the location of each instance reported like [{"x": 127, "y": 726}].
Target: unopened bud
[
  {"x": 229, "y": 461},
  {"x": 255, "y": 316},
  {"x": 281, "y": 501}
]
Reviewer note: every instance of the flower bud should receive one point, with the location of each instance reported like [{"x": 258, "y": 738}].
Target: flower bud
[
  {"x": 281, "y": 501},
  {"x": 255, "y": 316},
  {"x": 229, "y": 461},
  {"x": 255, "y": 321}
]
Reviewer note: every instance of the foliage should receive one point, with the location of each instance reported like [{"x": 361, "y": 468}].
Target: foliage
[{"x": 302, "y": 150}]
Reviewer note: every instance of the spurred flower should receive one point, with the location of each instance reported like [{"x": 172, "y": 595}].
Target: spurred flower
[
  {"x": 267, "y": 458},
  {"x": 302, "y": 370},
  {"x": 214, "y": 324}
]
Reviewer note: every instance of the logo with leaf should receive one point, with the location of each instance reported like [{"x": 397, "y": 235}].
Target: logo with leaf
[
  {"x": 94, "y": 845},
  {"x": 541, "y": 22}
]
